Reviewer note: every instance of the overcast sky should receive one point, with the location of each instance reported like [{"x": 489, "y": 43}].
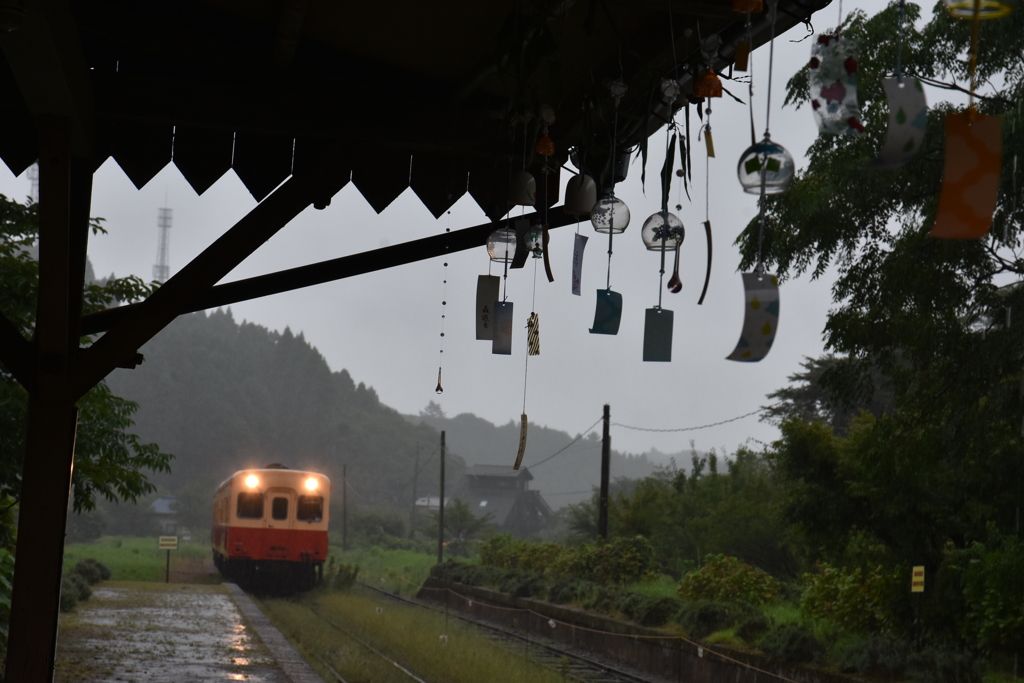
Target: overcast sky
[{"x": 385, "y": 327}]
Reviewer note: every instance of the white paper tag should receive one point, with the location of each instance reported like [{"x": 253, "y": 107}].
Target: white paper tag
[{"x": 577, "y": 262}]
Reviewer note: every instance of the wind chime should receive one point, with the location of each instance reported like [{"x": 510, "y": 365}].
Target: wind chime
[
  {"x": 610, "y": 216},
  {"x": 765, "y": 168},
  {"x": 974, "y": 145},
  {"x": 537, "y": 241},
  {"x": 908, "y": 111}
]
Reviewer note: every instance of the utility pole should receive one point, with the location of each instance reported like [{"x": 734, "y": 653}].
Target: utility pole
[
  {"x": 344, "y": 508},
  {"x": 606, "y": 457},
  {"x": 440, "y": 510},
  {"x": 415, "y": 476}
]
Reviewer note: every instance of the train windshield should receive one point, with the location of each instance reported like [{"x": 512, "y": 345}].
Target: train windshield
[
  {"x": 250, "y": 505},
  {"x": 311, "y": 508},
  {"x": 279, "y": 508}
]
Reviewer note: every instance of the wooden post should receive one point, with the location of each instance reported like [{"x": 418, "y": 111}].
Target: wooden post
[
  {"x": 415, "y": 477},
  {"x": 606, "y": 456},
  {"x": 440, "y": 510},
  {"x": 65, "y": 188},
  {"x": 344, "y": 508},
  {"x": 167, "y": 571}
]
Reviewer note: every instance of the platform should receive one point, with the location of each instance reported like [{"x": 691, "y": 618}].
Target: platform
[{"x": 168, "y": 633}]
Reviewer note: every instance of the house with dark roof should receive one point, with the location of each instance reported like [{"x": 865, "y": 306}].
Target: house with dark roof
[{"x": 504, "y": 493}]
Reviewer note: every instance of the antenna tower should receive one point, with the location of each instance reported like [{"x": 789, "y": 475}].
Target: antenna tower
[
  {"x": 162, "y": 269},
  {"x": 33, "y": 177}
]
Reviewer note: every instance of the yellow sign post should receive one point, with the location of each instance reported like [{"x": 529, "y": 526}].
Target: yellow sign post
[
  {"x": 168, "y": 543},
  {"x": 917, "y": 580}
]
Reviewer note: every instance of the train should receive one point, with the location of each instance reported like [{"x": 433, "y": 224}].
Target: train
[{"x": 269, "y": 529}]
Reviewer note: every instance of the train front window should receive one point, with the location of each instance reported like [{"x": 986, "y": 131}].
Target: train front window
[
  {"x": 279, "y": 508},
  {"x": 250, "y": 505},
  {"x": 311, "y": 508}
]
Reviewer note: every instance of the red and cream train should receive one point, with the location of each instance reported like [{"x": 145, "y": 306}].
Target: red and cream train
[{"x": 270, "y": 528}]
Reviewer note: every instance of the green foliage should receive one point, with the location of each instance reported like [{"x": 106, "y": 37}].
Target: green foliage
[
  {"x": 856, "y": 601},
  {"x": 461, "y": 526},
  {"x": 621, "y": 561},
  {"x": 92, "y": 570},
  {"x": 339, "y": 576},
  {"x": 701, "y": 618},
  {"x": 873, "y": 656},
  {"x": 727, "y": 579},
  {"x": 73, "y": 590},
  {"x": 990, "y": 575},
  {"x": 791, "y": 643}
]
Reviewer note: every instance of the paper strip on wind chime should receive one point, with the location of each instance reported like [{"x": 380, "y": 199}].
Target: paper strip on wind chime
[
  {"x": 970, "y": 178},
  {"x": 760, "y": 317},
  {"x": 833, "y": 86},
  {"x": 533, "y": 334},
  {"x": 502, "y": 343},
  {"x": 487, "y": 289},
  {"x": 577, "y": 262},
  {"x": 608, "y": 312},
  {"x": 658, "y": 335},
  {"x": 908, "y": 122}
]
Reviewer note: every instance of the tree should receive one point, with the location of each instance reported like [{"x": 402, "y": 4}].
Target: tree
[
  {"x": 943, "y": 461},
  {"x": 109, "y": 460},
  {"x": 461, "y": 526}
]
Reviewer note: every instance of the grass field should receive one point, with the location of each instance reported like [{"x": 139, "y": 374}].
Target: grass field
[
  {"x": 138, "y": 559},
  {"x": 410, "y": 635},
  {"x": 398, "y": 571}
]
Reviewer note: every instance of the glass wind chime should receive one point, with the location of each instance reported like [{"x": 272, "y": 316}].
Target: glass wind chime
[
  {"x": 663, "y": 232},
  {"x": 765, "y": 168},
  {"x": 610, "y": 216}
]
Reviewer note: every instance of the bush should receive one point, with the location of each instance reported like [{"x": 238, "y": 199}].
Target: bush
[
  {"x": 566, "y": 590},
  {"x": 877, "y": 657},
  {"x": 92, "y": 571},
  {"x": 73, "y": 589},
  {"x": 701, "y": 618},
  {"x": 603, "y": 599},
  {"x": 658, "y": 611},
  {"x": 945, "y": 666},
  {"x": 724, "y": 578},
  {"x": 339, "y": 576},
  {"x": 791, "y": 643},
  {"x": 68, "y": 594},
  {"x": 521, "y": 584},
  {"x": 752, "y": 628},
  {"x": 855, "y": 601}
]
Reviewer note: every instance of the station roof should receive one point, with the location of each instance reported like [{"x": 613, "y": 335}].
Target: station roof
[{"x": 443, "y": 96}]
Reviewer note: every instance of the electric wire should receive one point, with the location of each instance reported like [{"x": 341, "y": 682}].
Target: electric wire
[
  {"x": 691, "y": 429},
  {"x": 566, "y": 447}
]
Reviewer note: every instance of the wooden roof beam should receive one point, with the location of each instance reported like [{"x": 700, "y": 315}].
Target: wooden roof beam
[{"x": 46, "y": 58}]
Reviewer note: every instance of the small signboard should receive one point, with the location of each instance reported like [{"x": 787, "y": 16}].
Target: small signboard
[
  {"x": 917, "y": 580},
  {"x": 168, "y": 543}
]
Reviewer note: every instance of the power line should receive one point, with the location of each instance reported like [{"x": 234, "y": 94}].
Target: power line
[
  {"x": 690, "y": 429},
  {"x": 560, "y": 451}
]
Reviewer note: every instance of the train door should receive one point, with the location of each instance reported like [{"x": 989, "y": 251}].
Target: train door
[{"x": 280, "y": 521}]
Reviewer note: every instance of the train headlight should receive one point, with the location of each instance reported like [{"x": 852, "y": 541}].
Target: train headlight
[
  {"x": 312, "y": 484},
  {"x": 252, "y": 481}
]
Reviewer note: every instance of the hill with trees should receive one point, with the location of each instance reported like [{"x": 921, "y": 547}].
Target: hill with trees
[{"x": 222, "y": 395}]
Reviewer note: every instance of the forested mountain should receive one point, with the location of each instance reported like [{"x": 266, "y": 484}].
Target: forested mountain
[
  {"x": 566, "y": 478},
  {"x": 222, "y": 395}
]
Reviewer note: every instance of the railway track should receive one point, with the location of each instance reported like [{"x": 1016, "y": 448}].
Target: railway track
[{"x": 571, "y": 665}]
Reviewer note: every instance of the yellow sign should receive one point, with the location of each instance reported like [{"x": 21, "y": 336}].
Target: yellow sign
[
  {"x": 917, "y": 580},
  {"x": 168, "y": 543}
]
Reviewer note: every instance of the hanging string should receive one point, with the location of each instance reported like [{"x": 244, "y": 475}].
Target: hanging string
[
  {"x": 975, "y": 21},
  {"x": 759, "y": 269},
  {"x": 533, "y": 309},
  {"x": 750, "y": 84},
  {"x": 444, "y": 304},
  {"x": 774, "y": 8},
  {"x": 899, "y": 42}
]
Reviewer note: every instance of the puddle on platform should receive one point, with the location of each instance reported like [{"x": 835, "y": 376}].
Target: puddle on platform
[{"x": 181, "y": 634}]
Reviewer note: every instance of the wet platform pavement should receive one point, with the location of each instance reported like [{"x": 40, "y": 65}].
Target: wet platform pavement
[{"x": 164, "y": 633}]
